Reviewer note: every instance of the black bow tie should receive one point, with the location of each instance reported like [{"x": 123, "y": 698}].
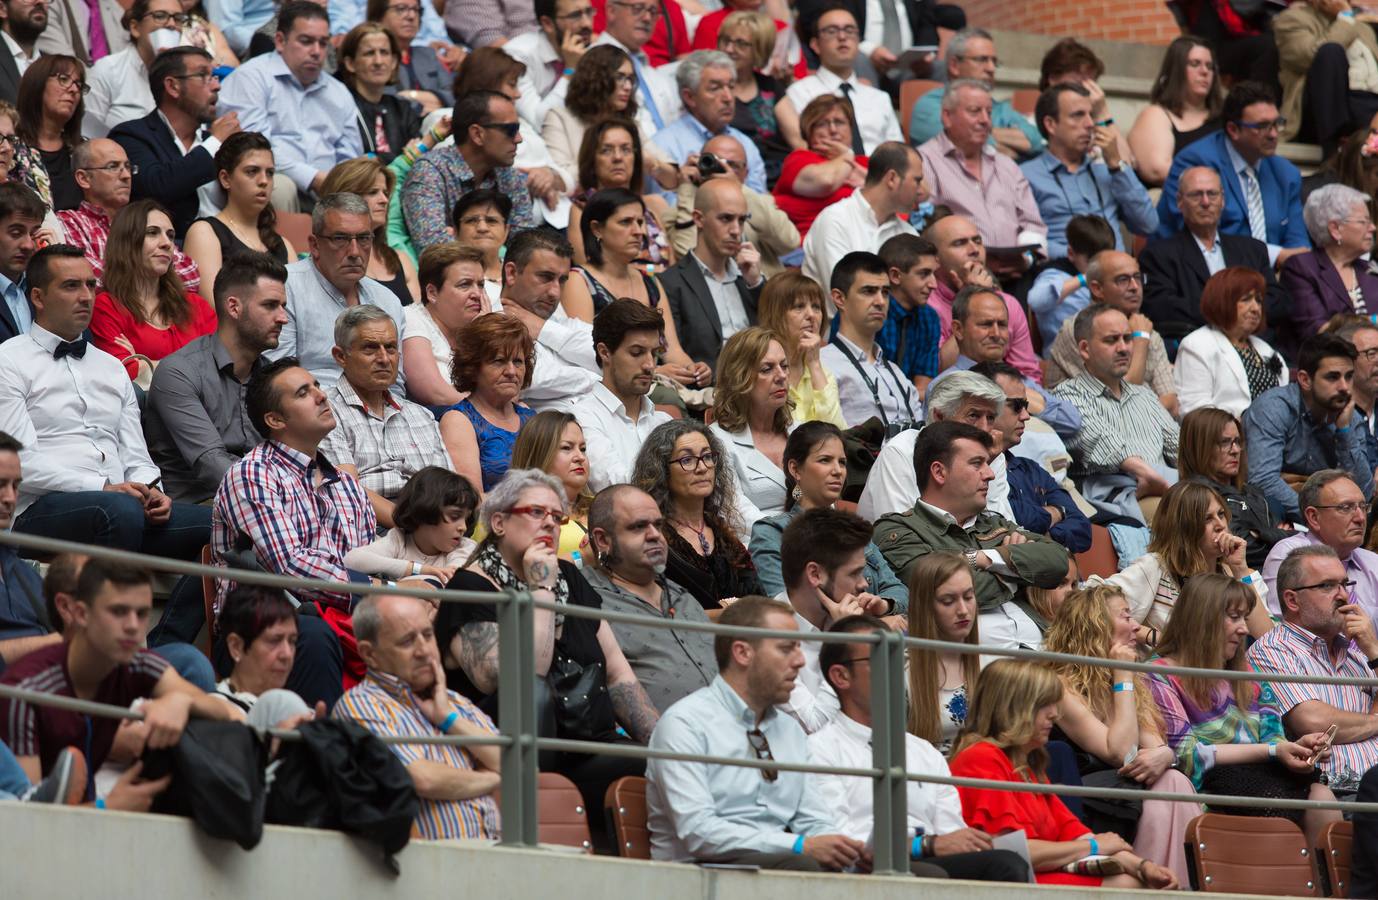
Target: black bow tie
[{"x": 75, "y": 348}]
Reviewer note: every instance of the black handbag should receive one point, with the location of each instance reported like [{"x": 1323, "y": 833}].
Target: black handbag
[{"x": 579, "y": 695}]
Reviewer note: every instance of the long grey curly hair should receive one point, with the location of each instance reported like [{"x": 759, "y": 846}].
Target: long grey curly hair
[{"x": 651, "y": 472}]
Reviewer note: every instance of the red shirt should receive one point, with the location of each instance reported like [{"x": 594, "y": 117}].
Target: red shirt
[
  {"x": 803, "y": 210},
  {"x": 706, "y": 37},
  {"x": 43, "y": 731},
  {"x": 110, "y": 319},
  {"x": 1043, "y": 817}
]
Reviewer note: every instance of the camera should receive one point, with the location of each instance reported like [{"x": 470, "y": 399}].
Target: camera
[{"x": 710, "y": 165}]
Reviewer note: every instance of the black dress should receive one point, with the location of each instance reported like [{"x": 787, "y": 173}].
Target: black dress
[
  {"x": 62, "y": 178},
  {"x": 578, "y": 640},
  {"x": 728, "y": 572},
  {"x": 230, "y": 244}
]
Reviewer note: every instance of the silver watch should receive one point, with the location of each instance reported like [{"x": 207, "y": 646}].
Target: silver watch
[{"x": 971, "y": 556}]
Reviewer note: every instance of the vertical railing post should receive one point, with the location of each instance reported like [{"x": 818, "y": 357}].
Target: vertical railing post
[
  {"x": 888, "y": 754},
  {"x": 517, "y": 715}
]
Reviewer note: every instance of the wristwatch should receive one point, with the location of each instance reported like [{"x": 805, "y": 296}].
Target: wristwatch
[{"x": 971, "y": 556}]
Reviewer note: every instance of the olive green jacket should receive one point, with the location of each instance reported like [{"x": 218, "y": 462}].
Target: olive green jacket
[{"x": 905, "y": 537}]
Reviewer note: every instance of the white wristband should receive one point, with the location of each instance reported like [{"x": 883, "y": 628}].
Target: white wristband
[{"x": 416, "y": 568}]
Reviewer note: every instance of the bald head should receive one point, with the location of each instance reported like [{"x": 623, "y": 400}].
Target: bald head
[
  {"x": 959, "y": 245},
  {"x": 720, "y": 215},
  {"x": 1114, "y": 279},
  {"x": 714, "y": 193},
  {"x": 1200, "y": 199},
  {"x": 396, "y": 636},
  {"x": 728, "y": 149},
  {"x": 105, "y": 187}
]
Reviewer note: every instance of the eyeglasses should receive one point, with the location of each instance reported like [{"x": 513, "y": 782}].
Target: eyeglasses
[
  {"x": 639, "y": 9},
  {"x": 342, "y": 241},
  {"x": 65, "y": 81},
  {"x": 207, "y": 75},
  {"x": 691, "y": 463},
  {"x": 1369, "y": 355},
  {"x": 539, "y": 513},
  {"x": 1327, "y": 587},
  {"x": 761, "y": 747},
  {"x": 579, "y": 14},
  {"x": 1198, "y": 196},
  {"x": 405, "y": 9},
  {"x": 621, "y": 80},
  {"x": 1272, "y": 125},
  {"x": 11, "y": 139},
  {"x": 836, "y": 31},
  {"x": 983, "y": 60},
  {"x": 1347, "y": 509},
  {"x": 113, "y": 168},
  {"x": 162, "y": 18},
  {"x": 1122, "y": 281},
  {"x": 725, "y": 43},
  {"x": 1233, "y": 443},
  {"x": 490, "y": 221},
  {"x": 1016, "y": 404},
  {"x": 511, "y": 129}
]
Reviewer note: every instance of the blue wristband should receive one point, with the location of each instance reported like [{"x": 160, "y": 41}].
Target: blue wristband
[
  {"x": 1124, "y": 687},
  {"x": 449, "y": 721},
  {"x": 1081, "y": 278},
  {"x": 100, "y": 803},
  {"x": 799, "y": 844},
  {"x": 1095, "y": 848},
  {"x": 916, "y": 848},
  {"x": 1344, "y": 430}
]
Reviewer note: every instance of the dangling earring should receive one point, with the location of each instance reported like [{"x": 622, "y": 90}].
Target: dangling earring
[{"x": 796, "y": 494}]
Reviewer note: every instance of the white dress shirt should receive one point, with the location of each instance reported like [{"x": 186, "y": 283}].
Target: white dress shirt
[
  {"x": 211, "y": 195},
  {"x": 119, "y": 92},
  {"x": 78, "y": 419},
  {"x": 813, "y": 702},
  {"x": 565, "y": 367},
  {"x": 544, "y": 69},
  {"x": 612, "y": 437},
  {"x": 22, "y": 60},
  {"x": 760, "y": 482},
  {"x": 845, "y": 226},
  {"x": 699, "y": 811},
  {"x": 846, "y": 743},
  {"x": 874, "y": 35},
  {"x": 726, "y": 298},
  {"x": 892, "y": 486},
  {"x": 875, "y": 116},
  {"x": 894, "y": 399},
  {"x": 1215, "y": 256}
]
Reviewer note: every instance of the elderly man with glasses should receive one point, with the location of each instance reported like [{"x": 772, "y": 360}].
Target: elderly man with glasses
[
  {"x": 1336, "y": 516},
  {"x": 1327, "y": 631}
]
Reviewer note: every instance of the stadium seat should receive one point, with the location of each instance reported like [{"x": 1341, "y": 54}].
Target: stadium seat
[
  {"x": 296, "y": 227},
  {"x": 1024, "y": 100},
  {"x": 1101, "y": 559},
  {"x": 1333, "y": 857},
  {"x": 910, "y": 92},
  {"x": 1249, "y": 855},
  {"x": 625, "y": 803},
  {"x": 561, "y": 818}
]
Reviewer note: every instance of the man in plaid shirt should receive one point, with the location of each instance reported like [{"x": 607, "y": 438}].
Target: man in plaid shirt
[
  {"x": 285, "y": 503},
  {"x": 104, "y": 174}
]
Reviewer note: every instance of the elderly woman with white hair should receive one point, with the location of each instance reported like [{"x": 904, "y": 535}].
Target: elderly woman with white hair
[
  {"x": 1333, "y": 278},
  {"x": 585, "y": 686}
]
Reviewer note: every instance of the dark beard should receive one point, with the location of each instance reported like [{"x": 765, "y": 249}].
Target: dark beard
[{"x": 24, "y": 32}]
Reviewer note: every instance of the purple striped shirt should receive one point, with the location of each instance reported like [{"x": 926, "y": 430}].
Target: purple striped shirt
[{"x": 1291, "y": 649}]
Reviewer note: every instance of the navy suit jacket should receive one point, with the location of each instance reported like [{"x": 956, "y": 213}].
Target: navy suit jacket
[
  {"x": 1278, "y": 180},
  {"x": 164, "y": 173}
]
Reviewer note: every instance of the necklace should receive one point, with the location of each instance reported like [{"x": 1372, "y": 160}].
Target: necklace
[
  {"x": 248, "y": 235},
  {"x": 700, "y": 531}
]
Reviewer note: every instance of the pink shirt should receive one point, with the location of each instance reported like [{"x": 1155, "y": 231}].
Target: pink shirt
[
  {"x": 1001, "y": 204},
  {"x": 1020, "y": 353}
]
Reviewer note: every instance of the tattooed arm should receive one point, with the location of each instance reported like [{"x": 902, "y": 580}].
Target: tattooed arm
[
  {"x": 634, "y": 709},
  {"x": 475, "y": 648}
]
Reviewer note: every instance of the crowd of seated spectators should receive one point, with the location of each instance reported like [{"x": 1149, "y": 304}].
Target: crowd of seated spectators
[{"x": 657, "y": 309}]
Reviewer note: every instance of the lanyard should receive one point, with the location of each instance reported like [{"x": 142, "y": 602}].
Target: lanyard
[
  {"x": 873, "y": 385},
  {"x": 1100, "y": 198}
]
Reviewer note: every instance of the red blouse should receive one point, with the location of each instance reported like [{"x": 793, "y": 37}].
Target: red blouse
[
  {"x": 109, "y": 320},
  {"x": 803, "y": 210},
  {"x": 1043, "y": 817}
]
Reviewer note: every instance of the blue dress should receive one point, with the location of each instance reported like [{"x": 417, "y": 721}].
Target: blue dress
[{"x": 494, "y": 443}]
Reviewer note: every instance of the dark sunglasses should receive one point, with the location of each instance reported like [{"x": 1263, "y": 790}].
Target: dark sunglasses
[
  {"x": 511, "y": 129},
  {"x": 761, "y": 747}
]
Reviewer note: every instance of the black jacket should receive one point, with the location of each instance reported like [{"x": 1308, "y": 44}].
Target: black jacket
[
  {"x": 695, "y": 314},
  {"x": 165, "y": 174},
  {"x": 1250, "y": 518},
  {"x": 9, "y": 75}
]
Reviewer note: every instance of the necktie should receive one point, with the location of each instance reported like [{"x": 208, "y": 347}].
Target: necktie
[
  {"x": 890, "y": 28},
  {"x": 75, "y": 348},
  {"x": 1258, "y": 223},
  {"x": 858, "y": 147},
  {"x": 644, "y": 88}
]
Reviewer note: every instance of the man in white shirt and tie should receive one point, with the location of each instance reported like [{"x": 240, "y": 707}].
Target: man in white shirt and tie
[
  {"x": 617, "y": 414},
  {"x": 87, "y": 473},
  {"x": 550, "y": 54},
  {"x": 629, "y": 27},
  {"x": 836, "y": 40}
]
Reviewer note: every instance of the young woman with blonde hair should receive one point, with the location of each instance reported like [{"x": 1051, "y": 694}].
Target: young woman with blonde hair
[{"x": 942, "y": 607}]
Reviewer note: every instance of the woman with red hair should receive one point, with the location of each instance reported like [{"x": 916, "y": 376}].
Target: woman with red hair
[{"x": 1224, "y": 363}]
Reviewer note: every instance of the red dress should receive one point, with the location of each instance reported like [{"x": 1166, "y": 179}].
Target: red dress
[
  {"x": 109, "y": 320},
  {"x": 1042, "y": 817},
  {"x": 803, "y": 210}
]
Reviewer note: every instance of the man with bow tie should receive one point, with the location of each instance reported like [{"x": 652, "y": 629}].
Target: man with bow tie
[{"x": 87, "y": 473}]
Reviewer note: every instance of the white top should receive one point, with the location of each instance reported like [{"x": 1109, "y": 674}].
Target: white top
[
  {"x": 544, "y": 70},
  {"x": 892, "y": 486},
  {"x": 420, "y": 325},
  {"x": 78, "y": 419},
  {"x": 565, "y": 365},
  {"x": 119, "y": 92},
  {"x": 813, "y": 703},
  {"x": 1140, "y": 581},
  {"x": 612, "y": 437},
  {"x": 845, "y": 226},
  {"x": 875, "y": 115},
  {"x": 1009, "y": 626},
  {"x": 844, "y": 742},
  {"x": 874, "y": 35},
  {"x": 727, "y": 300},
  {"x": 1209, "y": 371},
  {"x": 898, "y": 398},
  {"x": 760, "y": 483},
  {"x": 22, "y": 60},
  {"x": 394, "y": 553}
]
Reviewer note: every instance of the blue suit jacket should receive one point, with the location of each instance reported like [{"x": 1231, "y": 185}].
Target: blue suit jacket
[
  {"x": 1278, "y": 179},
  {"x": 164, "y": 173}
]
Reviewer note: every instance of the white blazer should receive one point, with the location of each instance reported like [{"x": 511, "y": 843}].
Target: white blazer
[
  {"x": 1209, "y": 372},
  {"x": 760, "y": 483}
]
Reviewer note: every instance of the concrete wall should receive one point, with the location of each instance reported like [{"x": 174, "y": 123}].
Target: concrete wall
[
  {"x": 57, "y": 852},
  {"x": 1138, "y": 21}
]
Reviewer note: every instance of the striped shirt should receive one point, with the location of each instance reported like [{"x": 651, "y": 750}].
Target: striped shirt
[
  {"x": 295, "y": 524},
  {"x": 1292, "y": 649},
  {"x": 1114, "y": 429},
  {"x": 387, "y": 451},
  {"x": 386, "y": 705}
]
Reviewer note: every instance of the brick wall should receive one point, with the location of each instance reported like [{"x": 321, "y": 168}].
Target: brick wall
[{"x": 1134, "y": 21}]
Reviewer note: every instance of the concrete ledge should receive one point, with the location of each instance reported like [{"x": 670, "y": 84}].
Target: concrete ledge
[{"x": 65, "y": 852}]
